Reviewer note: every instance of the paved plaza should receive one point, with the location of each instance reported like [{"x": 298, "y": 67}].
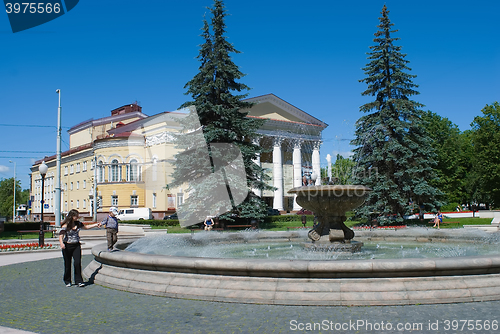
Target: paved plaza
[{"x": 34, "y": 299}]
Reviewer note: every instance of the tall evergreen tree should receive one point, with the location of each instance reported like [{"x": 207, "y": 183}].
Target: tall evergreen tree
[
  {"x": 221, "y": 112},
  {"x": 394, "y": 154}
]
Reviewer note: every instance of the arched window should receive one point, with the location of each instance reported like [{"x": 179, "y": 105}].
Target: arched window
[
  {"x": 133, "y": 171},
  {"x": 100, "y": 172},
  {"x": 114, "y": 171}
]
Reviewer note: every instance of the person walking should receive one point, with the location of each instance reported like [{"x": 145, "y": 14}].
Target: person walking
[
  {"x": 69, "y": 239},
  {"x": 111, "y": 223}
]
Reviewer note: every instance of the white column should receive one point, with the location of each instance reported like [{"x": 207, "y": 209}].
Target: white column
[
  {"x": 256, "y": 141},
  {"x": 329, "y": 167},
  {"x": 297, "y": 170},
  {"x": 278, "y": 174},
  {"x": 316, "y": 163}
]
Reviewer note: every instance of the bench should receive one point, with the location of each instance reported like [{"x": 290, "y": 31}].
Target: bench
[
  {"x": 21, "y": 232},
  {"x": 296, "y": 227},
  {"x": 236, "y": 226}
]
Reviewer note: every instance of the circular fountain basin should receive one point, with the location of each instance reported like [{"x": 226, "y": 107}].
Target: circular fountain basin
[{"x": 305, "y": 281}]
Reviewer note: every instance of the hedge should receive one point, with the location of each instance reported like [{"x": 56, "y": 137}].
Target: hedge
[{"x": 13, "y": 227}]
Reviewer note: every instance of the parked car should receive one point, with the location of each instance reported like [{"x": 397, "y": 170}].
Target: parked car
[
  {"x": 172, "y": 216},
  {"x": 273, "y": 212},
  {"x": 135, "y": 214},
  {"x": 304, "y": 212}
]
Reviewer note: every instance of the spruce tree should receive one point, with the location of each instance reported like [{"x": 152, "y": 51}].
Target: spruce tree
[
  {"x": 224, "y": 132},
  {"x": 394, "y": 155}
]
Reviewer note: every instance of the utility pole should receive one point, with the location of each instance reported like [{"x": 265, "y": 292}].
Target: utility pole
[
  {"x": 94, "y": 207},
  {"x": 57, "y": 211}
]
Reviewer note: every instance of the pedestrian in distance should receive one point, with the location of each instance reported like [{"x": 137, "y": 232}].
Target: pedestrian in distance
[
  {"x": 209, "y": 223},
  {"x": 111, "y": 223},
  {"x": 438, "y": 219},
  {"x": 69, "y": 239}
]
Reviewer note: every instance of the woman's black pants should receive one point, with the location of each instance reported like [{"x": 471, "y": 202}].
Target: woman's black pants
[{"x": 72, "y": 251}]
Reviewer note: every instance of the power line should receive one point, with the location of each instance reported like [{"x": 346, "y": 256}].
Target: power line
[
  {"x": 34, "y": 126},
  {"x": 19, "y": 157},
  {"x": 26, "y": 151}
]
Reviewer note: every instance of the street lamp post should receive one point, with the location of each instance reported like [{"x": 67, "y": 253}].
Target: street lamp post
[
  {"x": 43, "y": 171},
  {"x": 57, "y": 210},
  {"x": 14, "y": 204}
]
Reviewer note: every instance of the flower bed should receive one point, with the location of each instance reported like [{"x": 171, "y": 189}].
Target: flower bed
[
  {"x": 24, "y": 247},
  {"x": 378, "y": 227}
]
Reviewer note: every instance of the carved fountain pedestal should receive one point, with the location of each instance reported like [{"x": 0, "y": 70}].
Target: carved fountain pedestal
[{"x": 329, "y": 204}]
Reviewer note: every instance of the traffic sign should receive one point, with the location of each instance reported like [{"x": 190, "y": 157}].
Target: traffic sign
[{"x": 45, "y": 206}]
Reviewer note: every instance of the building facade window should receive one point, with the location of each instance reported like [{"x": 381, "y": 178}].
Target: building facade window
[
  {"x": 84, "y": 166},
  {"x": 114, "y": 171},
  {"x": 71, "y": 169},
  {"x": 100, "y": 172},
  {"x": 65, "y": 170},
  {"x": 180, "y": 199},
  {"x": 78, "y": 167},
  {"x": 134, "y": 200},
  {"x": 114, "y": 200},
  {"x": 84, "y": 204},
  {"x": 71, "y": 186},
  {"x": 84, "y": 184},
  {"x": 77, "y": 185},
  {"x": 78, "y": 204},
  {"x": 154, "y": 200},
  {"x": 155, "y": 170},
  {"x": 133, "y": 169},
  {"x": 72, "y": 204}
]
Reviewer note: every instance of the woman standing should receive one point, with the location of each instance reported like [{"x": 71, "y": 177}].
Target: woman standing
[{"x": 69, "y": 239}]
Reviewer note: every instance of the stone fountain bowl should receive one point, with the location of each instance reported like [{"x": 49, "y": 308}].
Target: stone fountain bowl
[
  {"x": 331, "y": 199},
  {"x": 329, "y": 204},
  {"x": 402, "y": 281}
]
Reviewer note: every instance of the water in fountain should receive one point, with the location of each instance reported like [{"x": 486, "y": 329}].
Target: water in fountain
[{"x": 249, "y": 245}]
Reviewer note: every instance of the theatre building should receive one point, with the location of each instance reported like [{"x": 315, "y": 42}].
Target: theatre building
[{"x": 126, "y": 159}]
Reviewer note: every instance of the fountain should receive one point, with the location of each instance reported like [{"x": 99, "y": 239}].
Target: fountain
[
  {"x": 400, "y": 281},
  {"x": 330, "y": 203}
]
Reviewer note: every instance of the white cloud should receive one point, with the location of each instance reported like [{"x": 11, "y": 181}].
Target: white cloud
[{"x": 4, "y": 169}]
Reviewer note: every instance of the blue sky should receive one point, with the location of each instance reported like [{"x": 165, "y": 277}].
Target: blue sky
[{"x": 104, "y": 54}]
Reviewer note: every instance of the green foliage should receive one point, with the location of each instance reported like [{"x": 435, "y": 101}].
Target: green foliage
[
  {"x": 342, "y": 169},
  {"x": 452, "y": 206},
  {"x": 7, "y": 196},
  {"x": 453, "y": 150},
  {"x": 394, "y": 154},
  {"x": 222, "y": 114},
  {"x": 485, "y": 176}
]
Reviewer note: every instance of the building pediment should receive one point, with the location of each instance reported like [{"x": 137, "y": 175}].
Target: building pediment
[{"x": 271, "y": 107}]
